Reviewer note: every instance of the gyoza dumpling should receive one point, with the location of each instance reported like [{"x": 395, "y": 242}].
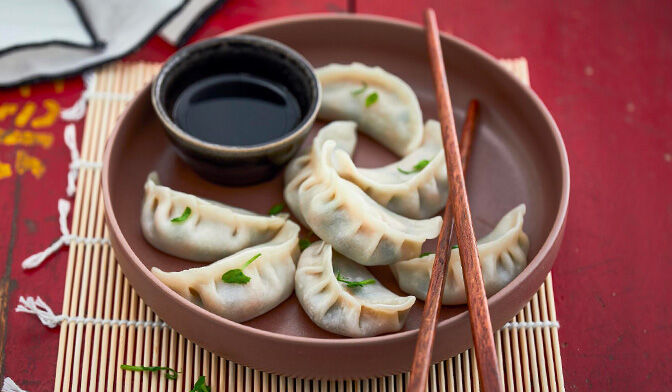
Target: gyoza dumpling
[
  {"x": 271, "y": 278},
  {"x": 343, "y": 134},
  {"x": 368, "y": 309},
  {"x": 503, "y": 255},
  {"x": 210, "y": 231},
  {"x": 354, "y": 224},
  {"x": 413, "y": 193},
  {"x": 394, "y": 118}
]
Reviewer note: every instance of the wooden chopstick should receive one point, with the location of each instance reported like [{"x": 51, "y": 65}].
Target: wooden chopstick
[
  {"x": 479, "y": 316},
  {"x": 468, "y": 135},
  {"x": 438, "y": 277}
]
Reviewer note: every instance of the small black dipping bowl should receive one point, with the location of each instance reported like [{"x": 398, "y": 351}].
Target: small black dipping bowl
[{"x": 242, "y": 55}]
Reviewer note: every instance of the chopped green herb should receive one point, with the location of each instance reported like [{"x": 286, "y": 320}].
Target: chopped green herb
[
  {"x": 423, "y": 254},
  {"x": 200, "y": 386},
  {"x": 171, "y": 374},
  {"x": 418, "y": 166},
  {"x": 183, "y": 217},
  {"x": 304, "y": 243},
  {"x": 371, "y": 99},
  {"x": 236, "y": 275},
  {"x": 454, "y": 247},
  {"x": 352, "y": 284},
  {"x": 361, "y": 89},
  {"x": 276, "y": 209}
]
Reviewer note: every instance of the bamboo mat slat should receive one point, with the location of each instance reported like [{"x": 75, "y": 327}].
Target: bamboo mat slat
[{"x": 89, "y": 355}]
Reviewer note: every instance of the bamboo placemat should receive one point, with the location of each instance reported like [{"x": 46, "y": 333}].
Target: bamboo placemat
[{"x": 90, "y": 352}]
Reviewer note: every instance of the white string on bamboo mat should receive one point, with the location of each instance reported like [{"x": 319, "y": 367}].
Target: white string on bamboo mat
[
  {"x": 47, "y": 316},
  {"x": 10, "y": 386},
  {"x": 76, "y": 163},
  {"x": 77, "y": 111},
  {"x": 531, "y": 324},
  {"x": 66, "y": 238}
]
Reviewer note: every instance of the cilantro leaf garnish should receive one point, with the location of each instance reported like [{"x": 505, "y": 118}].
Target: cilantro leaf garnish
[
  {"x": 361, "y": 89},
  {"x": 304, "y": 243},
  {"x": 352, "y": 284},
  {"x": 200, "y": 386},
  {"x": 183, "y": 217},
  {"x": 171, "y": 374},
  {"x": 236, "y": 275},
  {"x": 371, "y": 99},
  {"x": 423, "y": 254},
  {"x": 418, "y": 167},
  {"x": 276, "y": 209}
]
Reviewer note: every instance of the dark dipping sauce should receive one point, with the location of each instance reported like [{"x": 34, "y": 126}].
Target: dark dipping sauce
[{"x": 236, "y": 109}]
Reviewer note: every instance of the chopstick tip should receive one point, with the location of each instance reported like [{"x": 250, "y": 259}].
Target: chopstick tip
[{"x": 430, "y": 14}]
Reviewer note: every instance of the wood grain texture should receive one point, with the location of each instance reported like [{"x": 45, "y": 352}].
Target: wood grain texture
[
  {"x": 479, "y": 315},
  {"x": 5, "y": 279},
  {"x": 467, "y": 137},
  {"x": 423, "y": 349}
]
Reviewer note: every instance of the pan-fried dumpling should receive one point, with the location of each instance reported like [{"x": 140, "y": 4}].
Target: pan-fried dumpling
[
  {"x": 271, "y": 278},
  {"x": 503, "y": 255},
  {"x": 349, "y": 92},
  {"x": 401, "y": 187},
  {"x": 343, "y": 134},
  {"x": 207, "y": 231},
  {"x": 367, "y": 310},
  {"x": 354, "y": 224}
]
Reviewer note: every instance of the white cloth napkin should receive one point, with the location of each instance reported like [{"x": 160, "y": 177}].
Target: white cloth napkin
[
  {"x": 55, "y": 38},
  {"x": 43, "y": 22},
  {"x": 178, "y": 30}
]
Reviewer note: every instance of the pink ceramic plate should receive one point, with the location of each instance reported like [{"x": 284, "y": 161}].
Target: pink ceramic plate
[{"x": 518, "y": 157}]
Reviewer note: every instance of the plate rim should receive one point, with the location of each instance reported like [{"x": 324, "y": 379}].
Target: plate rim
[{"x": 555, "y": 234}]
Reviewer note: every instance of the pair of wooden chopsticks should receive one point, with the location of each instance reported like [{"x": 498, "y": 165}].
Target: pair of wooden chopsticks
[{"x": 457, "y": 207}]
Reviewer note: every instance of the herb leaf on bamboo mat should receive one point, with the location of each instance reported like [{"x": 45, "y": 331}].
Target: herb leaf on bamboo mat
[
  {"x": 171, "y": 374},
  {"x": 200, "y": 385}
]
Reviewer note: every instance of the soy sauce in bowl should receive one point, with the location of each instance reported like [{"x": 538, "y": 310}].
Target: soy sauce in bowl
[{"x": 236, "y": 110}]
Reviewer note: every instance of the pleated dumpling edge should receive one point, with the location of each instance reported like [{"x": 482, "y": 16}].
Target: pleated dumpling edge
[
  {"x": 340, "y": 213},
  {"x": 383, "y": 105},
  {"x": 270, "y": 267},
  {"x": 503, "y": 255},
  {"x": 357, "y": 311},
  {"x": 198, "y": 229}
]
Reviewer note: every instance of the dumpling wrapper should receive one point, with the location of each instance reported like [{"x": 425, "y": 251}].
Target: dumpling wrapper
[
  {"x": 271, "y": 278},
  {"x": 394, "y": 120},
  {"x": 213, "y": 230},
  {"x": 356, "y": 312},
  {"x": 340, "y": 213},
  {"x": 343, "y": 133},
  {"x": 417, "y": 195},
  {"x": 503, "y": 255}
]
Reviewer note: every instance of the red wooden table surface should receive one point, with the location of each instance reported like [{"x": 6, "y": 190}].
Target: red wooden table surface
[{"x": 605, "y": 72}]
